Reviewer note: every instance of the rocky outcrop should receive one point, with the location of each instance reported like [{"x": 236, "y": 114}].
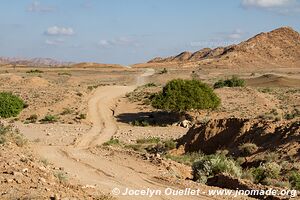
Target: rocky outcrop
[
  {"x": 280, "y": 47},
  {"x": 231, "y": 133}
]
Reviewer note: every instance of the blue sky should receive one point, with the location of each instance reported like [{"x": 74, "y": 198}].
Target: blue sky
[{"x": 132, "y": 31}]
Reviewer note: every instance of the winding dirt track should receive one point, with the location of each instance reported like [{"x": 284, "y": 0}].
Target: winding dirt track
[{"x": 106, "y": 172}]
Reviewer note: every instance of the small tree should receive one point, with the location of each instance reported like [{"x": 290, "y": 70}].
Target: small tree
[
  {"x": 10, "y": 105},
  {"x": 184, "y": 95},
  {"x": 233, "y": 82}
]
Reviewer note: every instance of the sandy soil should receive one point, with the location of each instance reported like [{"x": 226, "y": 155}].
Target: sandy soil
[
  {"x": 73, "y": 143},
  {"x": 104, "y": 170}
]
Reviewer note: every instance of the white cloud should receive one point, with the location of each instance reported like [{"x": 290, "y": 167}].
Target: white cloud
[
  {"x": 235, "y": 35},
  {"x": 266, "y": 3},
  {"x": 121, "y": 41},
  {"x": 284, "y": 7},
  {"x": 36, "y": 6},
  {"x": 104, "y": 43},
  {"x": 54, "y": 42},
  {"x": 55, "y": 30}
]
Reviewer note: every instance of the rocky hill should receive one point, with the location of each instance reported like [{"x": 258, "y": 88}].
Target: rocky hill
[
  {"x": 280, "y": 47},
  {"x": 34, "y": 62},
  {"x": 96, "y": 65}
]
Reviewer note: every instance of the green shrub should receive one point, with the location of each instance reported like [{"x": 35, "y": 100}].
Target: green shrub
[
  {"x": 140, "y": 122},
  {"x": 150, "y": 85},
  {"x": 49, "y": 119},
  {"x": 2, "y": 139},
  {"x": 150, "y": 140},
  {"x": 248, "y": 175},
  {"x": 152, "y": 145},
  {"x": 20, "y": 140},
  {"x": 82, "y": 116},
  {"x": 45, "y": 162},
  {"x": 223, "y": 152},
  {"x": 211, "y": 165},
  {"x": 187, "y": 159},
  {"x": 10, "y": 105},
  {"x": 135, "y": 147},
  {"x": 34, "y": 71},
  {"x": 170, "y": 144},
  {"x": 64, "y": 74},
  {"x": 184, "y": 95},
  {"x": 66, "y": 111},
  {"x": 265, "y": 90},
  {"x": 4, "y": 129},
  {"x": 62, "y": 176},
  {"x": 233, "y": 82},
  {"x": 271, "y": 157},
  {"x": 240, "y": 160},
  {"x": 32, "y": 118},
  {"x": 248, "y": 149},
  {"x": 112, "y": 142},
  {"x": 164, "y": 71},
  {"x": 7, "y": 133},
  {"x": 294, "y": 180},
  {"x": 270, "y": 170},
  {"x": 294, "y": 114}
]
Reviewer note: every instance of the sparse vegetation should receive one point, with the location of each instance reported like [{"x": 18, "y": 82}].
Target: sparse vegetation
[
  {"x": 82, "y": 116},
  {"x": 92, "y": 87},
  {"x": 135, "y": 147},
  {"x": 169, "y": 144},
  {"x": 187, "y": 159},
  {"x": 248, "y": 148},
  {"x": 269, "y": 170},
  {"x": 64, "y": 74},
  {"x": 152, "y": 145},
  {"x": 11, "y": 105},
  {"x": 233, "y": 82},
  {"x": 184, "y": 95},
  {"x": 150, "y": 140},
  {"x": 34, "y": 71},
  {"x": 140, "y": 122},
  {"x": 12, "y": 135},
  {"x": 32, "y": 118},
  {"x": 271, "y": 157},
  {"x": 160, "y": 147},
  {"x": 3, "y": 131},
  {"x": 150, "y": 85},
  {"x": 67, "y": 111},
  {"x": 164, "y": 71},
  {"x": 20, "y": 140},
  {"x": 62, "y": 176},
  {"x": 294, "y": 180},
  {"x": 292, "y": 115},
  {"x": 45, "y": 162},
  {"x": 142, "y": 93},
  {"x": 211, "y": 165},
  {"x": 265, "y": 90},
  {"x": 49, "y": 119},
  {"x": 79, "y": 94},
  {"x": 112, "y": 142},
  {"x": 194, "y": 75}
]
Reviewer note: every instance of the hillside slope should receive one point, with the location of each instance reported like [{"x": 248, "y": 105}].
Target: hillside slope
[{"x": 280, "y": 47}]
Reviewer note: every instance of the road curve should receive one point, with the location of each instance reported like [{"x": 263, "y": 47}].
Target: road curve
[{"x": 105, "y": 172}]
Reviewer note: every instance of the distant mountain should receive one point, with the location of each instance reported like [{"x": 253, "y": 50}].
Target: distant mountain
[
  {"x": 35, "y": 62},
  {"x": 280, "y": 47},
  {"x": 95, "y": 65}
]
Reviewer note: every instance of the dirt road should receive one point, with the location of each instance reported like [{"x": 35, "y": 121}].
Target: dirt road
[{"x": 105, "y": 171}]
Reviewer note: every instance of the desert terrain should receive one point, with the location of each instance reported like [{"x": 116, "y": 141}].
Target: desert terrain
[{"x": 90, "y": 128}]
